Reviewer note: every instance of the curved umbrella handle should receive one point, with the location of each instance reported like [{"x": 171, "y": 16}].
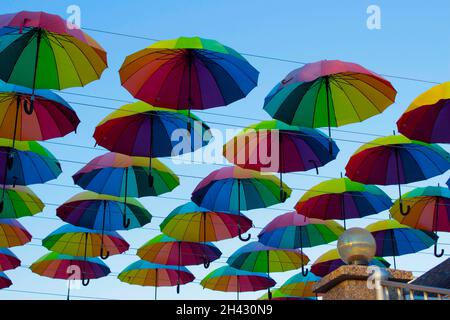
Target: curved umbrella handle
[
  {"x": 438, "y": 255},
  {"x": 315, "y": 165},
  {"x": 402, "y": 209},
  {"x": 85, "y": 281},
  {"x": 103, "y": 255},
  {"x": 241, "y": 237},
  {"x": 29, "y": 108},
  {"x": 206, "y": 264},
  {"x": 126, "y": 221},
  {"x": 305, "y": 271}
]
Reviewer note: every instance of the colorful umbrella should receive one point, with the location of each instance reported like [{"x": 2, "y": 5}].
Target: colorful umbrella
[
  {"x": 430, "y": 211},
  {"x": 19, "y": 202},
  {"x": 278, "y": 295},
  {"x": 61, "y": 266},
  {"x": 292, "y": 230},
  {"x": 190, "y": 222},
  {"x": 8, "y": 260},
  {"x": 256, "y": 257},
  {"x": 82, "y": 242},
  {"x": 140, "y": 129},
  {"x": 188, "y": 73},
  {"x": 169, "y": 251},
  {"x": 277, "y": 147},
  {"x": 397, "y": 160},
  {"x": 53, "y": 117},
  {"x": 5, "y": 282},
  {"x": 122, "y": 176},
  {"x": 13, "y": 234},
  {"x": 342, "y": 199},
  {"x": 300, "y": 285},
  {"x": 232, "y": 189},
  {"x": 144, "y": 273},
  {"x": 394, "y": 239},
  {"x": 426, "y": 118},
  {"x": 103, "y": 212},
  {"x": 330, "y": 261},
  {"x": 228, "y": 279},
  {"x": 329, "y": 93},
  {"x": 25, "y": 163},
  {"x": 42, "y": 51}
]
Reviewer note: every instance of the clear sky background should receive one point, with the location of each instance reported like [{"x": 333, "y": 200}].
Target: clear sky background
[{"x": 413, "y": 42}]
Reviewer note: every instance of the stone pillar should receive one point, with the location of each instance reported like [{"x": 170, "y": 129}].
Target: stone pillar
[{"x": 350, "y": 282}]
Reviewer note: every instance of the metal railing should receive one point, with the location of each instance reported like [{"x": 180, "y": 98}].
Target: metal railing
[{"x": 390, "y": 290}]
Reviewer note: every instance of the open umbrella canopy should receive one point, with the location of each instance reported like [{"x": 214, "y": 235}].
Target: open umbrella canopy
[
  {"x": 42, "y": 51},
  {"x": 165, "y": 250},
  {"x": 232, "y": 189},
  {"x": 329, "y": 93},
  {"x": 103, "y": 212},
  {"x": 256, "y": 257},
  {"x": 396, "y": 160},
  {"x": 61, "y": 266},
  {"x": 188, "y": 73},
  {"x": 13, "y": 233},
  {"x": 52, "y": 117},
  {"x": 229, "y": 279},
  {"x": 292, "y": 230},
  {"x": 395, "y": 239},
  {"x": 145, "y": 273},
  {"x": 26, "y": 162},
  {"x": 342, "y": 199},
  {"x": 5, "y": 282},
  {"x": 121, "y": 175},
  {"x": 277, "y": 147},
  {"x": 278, "y": 295},
  {"x": 426, "y": 118},
  {"x": 300, "y": 286},
  {"x": 8, "y": 260},
  {"x": 77, "y": 241},
  {"x": 190, "y": 222},
  {"x": 140, "y": 129},
  {"x": 18, "y": 202},
  {"x": 330, "y": 261}
]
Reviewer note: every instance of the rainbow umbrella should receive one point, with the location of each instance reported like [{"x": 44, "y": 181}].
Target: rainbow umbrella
[
  {"x": 188, "y": 73},
  {"x": 426, "y": 118},
  {"x": 121, "y": 176},
  {"x": 169, "y": 251},
  {"x": 277, "y": 147},
  {"x": 53, "y": 117},
  {"x": 42, "y": 51},
  {"x": 330, "y": 261},
  {"x": 61, "y": 266},
  {"x": 18, "y": 202},
  {"x": 397, "y": 160},
  {"x": 256, "y": 257},
  {"x": 232, "y": 189},
  {"x": 278, "y": 295},
  {"x": 292, "y": 230},
  {"x": 103, "y": 212},
  {"x": 190, "y": 222},
  {"x": 228, "y": 279},
  {"x": 430, "y": 211},
  {"x": 395, "y": 239},
  {"x": 140, "y": 129},
  {"x": 329, "y": 93},
  {"x": 82, "y": 242},
  {"x": 144, "y": 273},
  {"x": 8, "y": 260},
  {"x": 5, "y": 282},
  {"x": 300, "y": 285},
  {"x": 342, "y": 199},
  {"x": 13, "y": 233},
  {"x": 25, "y": 163}
]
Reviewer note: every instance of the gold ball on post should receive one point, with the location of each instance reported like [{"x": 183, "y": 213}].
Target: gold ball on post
[{"x": 356, "y": 246}]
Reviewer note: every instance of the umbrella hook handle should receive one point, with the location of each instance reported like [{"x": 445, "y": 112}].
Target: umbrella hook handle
[
  {"x": 315, "y": 165},
  {"x": 437, "y": 255},
  {"x": 305, "y": 271},
  {"x": 126, "y": 222},
  {"x": 85, "y": 281},
  {"x": 241, "y": 237},
  {"x": 28, "y": 107},
  {"x": 103, "y": 255},
  {"x": 402, "y": 209},
  {"x": 206, "y": 263}
]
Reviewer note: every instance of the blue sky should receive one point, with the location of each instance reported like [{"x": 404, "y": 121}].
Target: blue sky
[{"x": 413, "y": 42}]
